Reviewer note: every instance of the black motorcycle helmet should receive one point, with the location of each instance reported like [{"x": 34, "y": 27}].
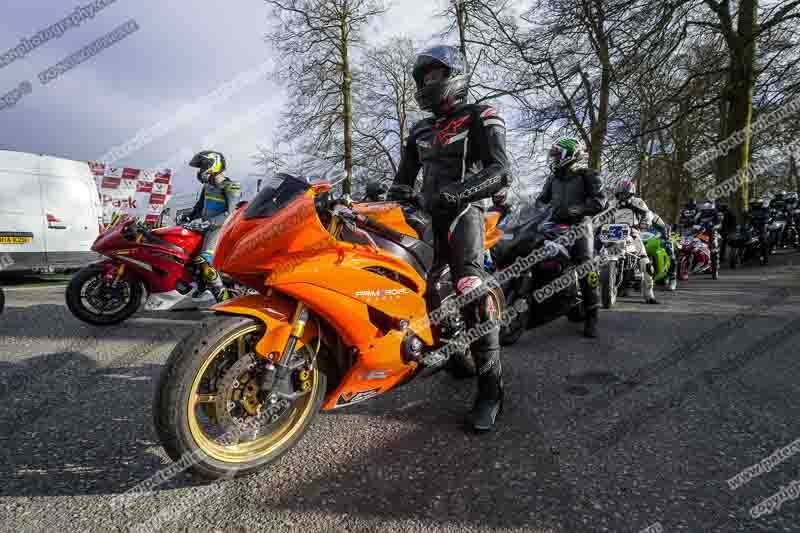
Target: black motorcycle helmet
[
  {"x": 210, "y": 164},
  {"x": 440, "y": 94}
]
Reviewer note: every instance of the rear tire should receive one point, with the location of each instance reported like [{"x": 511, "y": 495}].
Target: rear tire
[{"x": 78, "y": 308}]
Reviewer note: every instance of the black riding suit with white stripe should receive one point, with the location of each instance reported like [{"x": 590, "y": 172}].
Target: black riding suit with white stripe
[{"x": 463, "y": 160}]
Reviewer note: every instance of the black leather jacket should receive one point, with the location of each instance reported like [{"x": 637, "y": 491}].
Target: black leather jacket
[
  {"x": 581, "y": 189},
  {"x": 462, "y": 155}
]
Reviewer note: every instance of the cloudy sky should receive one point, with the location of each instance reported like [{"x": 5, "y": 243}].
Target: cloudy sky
[{"x": 183, "y": 51}]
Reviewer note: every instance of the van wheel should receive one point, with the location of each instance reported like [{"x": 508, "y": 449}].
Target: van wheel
[{"x": 95, "y": 301}]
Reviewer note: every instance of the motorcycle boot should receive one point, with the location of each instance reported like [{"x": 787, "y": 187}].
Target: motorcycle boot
[
  {"x": 211, "y": 280},
  {"x": 582, "y": 252},
  {"x": 647, "y": 281},
  {"x": 486, "y": 352}
]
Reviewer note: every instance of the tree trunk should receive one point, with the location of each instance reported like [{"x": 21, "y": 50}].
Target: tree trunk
[
  {"x": 347, "y": 112},
  {"x": 740, "y": 113},
  {"x": 601, "y": 127},
  {"x": 461, "y": 19}
]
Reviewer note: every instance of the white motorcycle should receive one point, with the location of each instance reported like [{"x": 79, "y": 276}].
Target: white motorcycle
[{"x": 620, "y": 261}]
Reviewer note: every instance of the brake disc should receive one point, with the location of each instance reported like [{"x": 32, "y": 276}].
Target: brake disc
[{"x": 241, "y": 407}]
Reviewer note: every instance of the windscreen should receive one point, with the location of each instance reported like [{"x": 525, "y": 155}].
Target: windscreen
[{"x": 270, "y": 200}]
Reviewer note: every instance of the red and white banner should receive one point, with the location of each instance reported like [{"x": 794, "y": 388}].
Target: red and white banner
[{"x": 138, "y": 193}]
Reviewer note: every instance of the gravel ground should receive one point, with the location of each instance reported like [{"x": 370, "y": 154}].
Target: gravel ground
[{"x": 640, "y": 427}]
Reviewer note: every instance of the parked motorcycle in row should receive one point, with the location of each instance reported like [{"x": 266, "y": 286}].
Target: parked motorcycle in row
[
  {"x": 694, "y": 254},
  {"x": 620, "y": 262},
  {"x": 521, "y": 241},
  {"x": 777, "y": 228},
  {"x": 346, "y": 323},
  {"x": 749, "y": 242},
  {"x": 140, "y": 262}
]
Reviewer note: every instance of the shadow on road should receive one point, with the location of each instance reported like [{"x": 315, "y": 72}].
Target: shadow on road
[{"x": 86, "y": 430}]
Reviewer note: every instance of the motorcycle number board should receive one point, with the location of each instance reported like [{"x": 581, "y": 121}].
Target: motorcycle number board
[{"x": 615, "y": 232}]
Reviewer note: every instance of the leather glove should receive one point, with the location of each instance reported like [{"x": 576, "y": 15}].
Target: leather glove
[
  {"x": 400, "y": 193},
  {"x": 575, "y": 212},
  {"x": 449, "y": 197}
]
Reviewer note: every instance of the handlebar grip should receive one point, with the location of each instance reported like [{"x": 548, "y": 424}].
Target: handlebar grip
[{"x": 372, "y": 224}]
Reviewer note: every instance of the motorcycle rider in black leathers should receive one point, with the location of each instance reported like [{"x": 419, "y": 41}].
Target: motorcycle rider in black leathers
[
  {"x": 758, "y": 218},
  {"x": 461, "y": 151},
  {"x": 688, "y": 216},
  {"x": 728, "y": 228},
  {"x": 576, "y": 194}
]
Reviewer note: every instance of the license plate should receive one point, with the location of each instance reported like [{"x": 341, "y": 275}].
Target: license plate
[
  {"x": 614, "y": 232},
  {"x": 14, "y": 239}
]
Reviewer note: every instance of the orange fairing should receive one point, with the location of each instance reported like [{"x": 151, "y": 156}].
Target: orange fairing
[
  {"x": 390, "y": 214},
  {"x": 275, "y": 312},
  {"x": 493, "y": 233}
]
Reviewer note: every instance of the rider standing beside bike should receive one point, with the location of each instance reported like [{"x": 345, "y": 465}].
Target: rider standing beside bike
[
  {"x": 633, "y": 210},
  {"x": 218, "y": 200},
  {"x": 574, "y": 194},
  {"x": 462, "y": 153}
]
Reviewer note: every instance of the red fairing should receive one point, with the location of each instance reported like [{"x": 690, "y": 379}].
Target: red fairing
[
  {"x": 159, "y": 265},
  {"x": 182, "y": 237}
]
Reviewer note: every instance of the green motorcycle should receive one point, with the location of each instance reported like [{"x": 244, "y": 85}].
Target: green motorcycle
[{"x": 659, "y": 258}]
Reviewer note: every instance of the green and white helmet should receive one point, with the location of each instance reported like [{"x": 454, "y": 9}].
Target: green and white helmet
[{"x": 565, "y": 151}]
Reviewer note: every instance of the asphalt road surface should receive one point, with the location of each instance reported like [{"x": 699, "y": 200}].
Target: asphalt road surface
[{"x": 642, "y": 427}]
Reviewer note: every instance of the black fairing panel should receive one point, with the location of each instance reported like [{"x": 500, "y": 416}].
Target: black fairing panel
[{"x": 414, "y": 252}]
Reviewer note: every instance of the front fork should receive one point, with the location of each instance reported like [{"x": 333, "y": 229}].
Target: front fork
[{"x": 278, "y": 374}]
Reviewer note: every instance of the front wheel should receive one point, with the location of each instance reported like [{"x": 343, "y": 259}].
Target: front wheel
[
  {"x": 608, "y": 284},
  {"x": 210, "y": 404},
  {"x": 95, "y": 300}
]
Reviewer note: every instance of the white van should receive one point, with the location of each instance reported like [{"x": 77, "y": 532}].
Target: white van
[{"x": 50, "y": 212}]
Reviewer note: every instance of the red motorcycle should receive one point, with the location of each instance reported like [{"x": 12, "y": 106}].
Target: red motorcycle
[
  {"x": 694, "y": 256},
  {"x": 140, "y": 261}
]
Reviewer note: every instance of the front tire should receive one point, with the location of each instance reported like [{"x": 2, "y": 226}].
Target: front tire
[
  {"x": 180, "y": 405},
  {"x": 105, "y": 309},
  {"x": 608, "y": 282}
]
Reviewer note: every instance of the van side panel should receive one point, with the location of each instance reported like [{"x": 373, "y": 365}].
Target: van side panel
[
  {"x": 22, "y": 225},
  {"x": 68, "y": 203}
]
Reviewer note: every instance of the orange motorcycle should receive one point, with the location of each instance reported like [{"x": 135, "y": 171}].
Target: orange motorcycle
[{"x": 341, "y": 317}]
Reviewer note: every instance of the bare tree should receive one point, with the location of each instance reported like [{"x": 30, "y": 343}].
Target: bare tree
[
  {"x": 384, "y": 108},
  {"x": 743, "y": 27},
  {"x": 315, "y": 40}
]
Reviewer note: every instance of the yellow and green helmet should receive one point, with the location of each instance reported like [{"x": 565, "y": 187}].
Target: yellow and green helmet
[{"x": 210, "y": 164}]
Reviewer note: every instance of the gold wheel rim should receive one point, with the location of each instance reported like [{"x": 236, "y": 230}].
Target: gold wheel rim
[{"x": 263, "y": 445}]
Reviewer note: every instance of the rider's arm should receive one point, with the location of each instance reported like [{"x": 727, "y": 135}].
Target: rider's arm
[
  {"x": 595, "y": 199},
  {"x": 197, "y": 210},
  {"x": 406, "y": 177},
  {"x": 490, "y": 138},
  {"x": 546, "y": 194}
]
